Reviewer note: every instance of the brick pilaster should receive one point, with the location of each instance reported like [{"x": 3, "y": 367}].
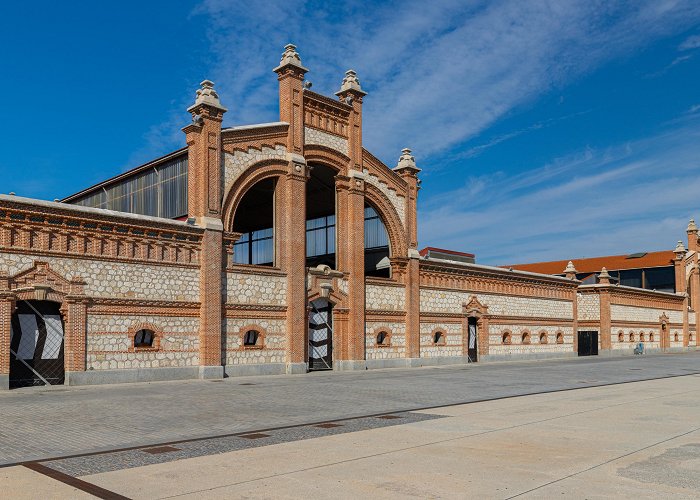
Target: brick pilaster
[
  {"x": 605, "y": 320},
  {"x": 6, "y": 307},
  {"x": 75, "y": 341},
  {"x": 293, "y": 262},
  {"x": 355, "y": 251}
]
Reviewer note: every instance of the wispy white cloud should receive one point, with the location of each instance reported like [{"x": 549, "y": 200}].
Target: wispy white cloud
[
  {"x": 635, "y": 196},
  {"x": 438, "y": 73},
  {"x": 692, "y": 42}
]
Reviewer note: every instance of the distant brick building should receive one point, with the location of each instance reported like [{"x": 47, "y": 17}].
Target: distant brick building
[{"x": 282, "y": 248}]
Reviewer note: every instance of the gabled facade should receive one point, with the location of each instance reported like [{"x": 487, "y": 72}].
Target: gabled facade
[{"x": 296, "y": 250}]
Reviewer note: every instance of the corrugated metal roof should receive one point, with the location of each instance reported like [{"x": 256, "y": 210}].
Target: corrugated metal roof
[{"x": 595, "y": 264}]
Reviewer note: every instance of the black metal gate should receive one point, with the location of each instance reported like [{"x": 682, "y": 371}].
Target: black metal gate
[
  {"x": 472, "y": 340},
  {"x": 588, "y": 343},
  {"x": 36, "y": 344},
  {"x": 321, "y": 335}
]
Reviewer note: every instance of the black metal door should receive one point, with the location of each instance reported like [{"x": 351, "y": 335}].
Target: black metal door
[
  {"x": 588, "y": 343},
  {"x": 321, "y": 335},
  {"x": 472, "y": 340},
  {"x": 36, "y": 344}
]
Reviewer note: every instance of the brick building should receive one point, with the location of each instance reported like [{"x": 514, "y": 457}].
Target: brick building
[{"x": 282, "y": 248}]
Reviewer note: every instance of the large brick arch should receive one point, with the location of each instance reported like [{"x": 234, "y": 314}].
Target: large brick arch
[
  {"x": 256, "y": 173},
  {"x": 327, "y": 157},
  {"x": 390, "y": 218}
]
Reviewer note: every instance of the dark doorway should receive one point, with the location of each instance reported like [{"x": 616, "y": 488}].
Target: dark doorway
[
  {"x": 36, "y": 344},
  {"x": 321, "y": 335},
  {"x": 588, "y": 343},
  {"x": 472, "y": 340}
]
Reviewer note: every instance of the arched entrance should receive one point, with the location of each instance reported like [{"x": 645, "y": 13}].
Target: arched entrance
[
  {"x": 37, "y": 344},
  {"x": 320, "y": 334}
]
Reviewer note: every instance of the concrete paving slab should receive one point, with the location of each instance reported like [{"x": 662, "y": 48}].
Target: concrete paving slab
[
  {"x": 583, "y": 443},
  {"x": 21, "y": 483}
]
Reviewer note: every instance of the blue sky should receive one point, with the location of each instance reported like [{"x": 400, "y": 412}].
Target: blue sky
[{"x": 545, "y": 130}]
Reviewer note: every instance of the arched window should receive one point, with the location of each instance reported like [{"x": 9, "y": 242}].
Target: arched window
[
  {"x": 631, "y": 336},
  {"x": 675, "y": 337},
  {"x": 144, "y": 338},
  {"x": 651, "y": 336},
  {"x": 506, "y": 338},
  {"x": 543, "y": 338},
  {"x": 525, "y": 338},
  {"x": 383, "y": 339},
  {"x": 439, "y": 338},
  {"x": 560, "y": 338},
  {"x": 641, "y": 336},
  {"x": 376, "y": 245},
  {"x": 254, "y": 219},
  {"x": 252, "y": 338},
  {"x": 690, "y": 337},
  {"x": 620, "y": 337}
]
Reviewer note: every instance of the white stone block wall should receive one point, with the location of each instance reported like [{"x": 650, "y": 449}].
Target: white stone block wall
[
  {"x": 397, "y": 347},
  {"x": 645, "y": 314},
  {"x": 385, "y": 298},
  {"x": 316, "y": 136},
  {"x": 244, "y": 288},
  {"x": 398, "y": 201},
  {"x": 433, "y": 300},
  {"x": 588, "y": 306},
  {"x": 273, "y": 346},
  {"x": 497, "y": 347},
  {"x": 453, "y": 341},
  {"x": 109, "y": 279},
  {"x": 238, "y": 162},
  {"x": 109, "y": 340}
]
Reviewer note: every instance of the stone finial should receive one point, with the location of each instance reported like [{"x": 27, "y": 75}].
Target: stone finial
[
  {"x": 604, "y": 277},
  {"x": 680, "y": 248},
  {"x": 351, "y": 83},
  {"x": 208, "y": 96},
  {"x": 692, "y": 228},
  {"x": 407, "y": 162},
  {"x": 570, "y": 271},
  {"x": 290, "y": 57}
]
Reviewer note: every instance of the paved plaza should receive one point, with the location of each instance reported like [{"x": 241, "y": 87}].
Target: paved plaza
[{"x": 629, "y": 429}]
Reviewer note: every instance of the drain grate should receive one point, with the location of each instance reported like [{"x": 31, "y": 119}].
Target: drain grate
[
  {"x": 255, "y": 435},
  {"x": 328, "y": 425},
  {"x": 160, "y": 449}
]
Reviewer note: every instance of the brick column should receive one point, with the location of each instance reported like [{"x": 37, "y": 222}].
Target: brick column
[
  {"x": 211, "y": 309},
  {"x": 204, "y": 196},
  {"x": 408, "y": 171},
  {"x": 354, "y": 336},
  {"x": 75, "y": 336},
  {"x": 605, "y": 320},
  {"x": 7, "y": 305},
  {"x": 292, "y": 234}
]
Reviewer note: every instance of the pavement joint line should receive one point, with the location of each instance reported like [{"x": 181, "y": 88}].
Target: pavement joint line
[
  {"x": 465, "y": 436},
  {"x": 292, "y": 426},
  {"x": 80, "y": 484},
  {"x": 605, "y": 463}
]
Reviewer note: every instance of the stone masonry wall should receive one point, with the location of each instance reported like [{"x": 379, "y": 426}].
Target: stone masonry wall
[
  {"x": 397, "y": 343},
  {"x": 315, "y": 136},
  {"x": 588, "y": 307},
  {"x": 110, "y": 342},
  {"x": 453, "y": 341},
  {"x": 247, "y": 288},
  {"x": 645, "y": 314},
  {"x": 237, "y": 163},
  {"x": 272, "y": 347},
  {"x": 385, "y": 298},
  {"x": 109, "y": 279},
  {"x": 446, "y": 301},
  {"x": 516, "y": 346}
]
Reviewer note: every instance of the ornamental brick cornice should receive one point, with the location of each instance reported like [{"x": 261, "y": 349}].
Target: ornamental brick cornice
[
  {"x": 320, "y": 102},
  {"x": 276, "y": 134}
]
